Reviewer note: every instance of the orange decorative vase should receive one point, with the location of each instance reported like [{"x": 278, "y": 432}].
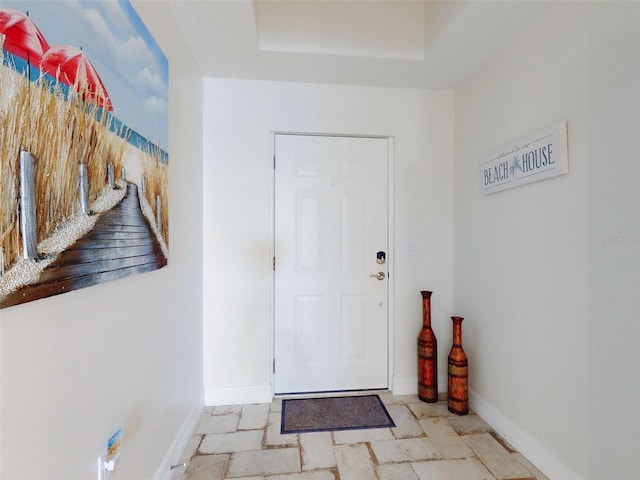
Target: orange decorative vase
[
  {"x": 458, "y": 393},
  {"x": 427, "y": 355}
]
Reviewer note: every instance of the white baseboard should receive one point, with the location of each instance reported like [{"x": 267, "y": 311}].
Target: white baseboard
[
  {"x": 532, "y": 450},
  {"x": 238, "y": 395},
  {"x": 180, "y": 442},
  {"x": 405, "y": 386},
  {"x": 409, "y": 386}
]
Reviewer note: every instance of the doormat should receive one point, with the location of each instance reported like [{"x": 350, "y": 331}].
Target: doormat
[{"x": 334, "y": 413}]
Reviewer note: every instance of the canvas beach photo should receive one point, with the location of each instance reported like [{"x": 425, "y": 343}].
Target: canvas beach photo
[{"x": 83, "y": 156}]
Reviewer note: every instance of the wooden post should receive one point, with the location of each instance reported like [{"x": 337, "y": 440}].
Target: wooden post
[
  {"x": 28, "y": 225},
  {"x": 159, "y": 213},
  {"x": 111, "y": 176},
  {"x": 84, "y": 189}
]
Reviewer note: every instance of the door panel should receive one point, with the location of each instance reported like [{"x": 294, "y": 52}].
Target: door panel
[{"x": 331, "y": 218}]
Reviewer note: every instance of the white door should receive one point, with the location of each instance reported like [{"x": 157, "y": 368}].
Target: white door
[{"x": 331, "y": 220}]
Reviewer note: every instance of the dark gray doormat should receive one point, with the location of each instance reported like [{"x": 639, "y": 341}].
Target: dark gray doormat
[{"x": 334, "y": 413}]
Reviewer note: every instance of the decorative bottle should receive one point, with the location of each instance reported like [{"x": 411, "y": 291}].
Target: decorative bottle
[
  {"x": 458, "y": 392},
  {"x": 427, "y": 355}
]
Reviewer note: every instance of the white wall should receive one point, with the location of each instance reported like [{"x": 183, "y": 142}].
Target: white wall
[
  {"x": 547, "y": 273},
  {"x": 125, "y": 354},
  {"x": 238, "y": 120}
]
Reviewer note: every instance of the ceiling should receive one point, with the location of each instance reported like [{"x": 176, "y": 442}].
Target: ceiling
[{"x": 394, "y": 43}]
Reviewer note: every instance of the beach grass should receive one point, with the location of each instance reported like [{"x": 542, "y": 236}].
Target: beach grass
[
  {"x": 156, "y": 175},
  {"x": 61, "y": 131}
]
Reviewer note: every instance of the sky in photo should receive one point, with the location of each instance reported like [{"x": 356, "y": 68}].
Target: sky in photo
[{"x": 132, "y": 67}]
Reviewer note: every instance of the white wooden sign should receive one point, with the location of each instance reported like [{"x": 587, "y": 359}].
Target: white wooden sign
[{"x": 539, "y": 156}]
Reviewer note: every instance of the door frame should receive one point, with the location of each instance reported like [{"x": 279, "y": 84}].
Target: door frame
[{"x": 390, "y": 247}]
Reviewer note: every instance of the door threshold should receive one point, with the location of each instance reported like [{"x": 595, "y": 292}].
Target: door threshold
[{"x": 330, "y": 393}]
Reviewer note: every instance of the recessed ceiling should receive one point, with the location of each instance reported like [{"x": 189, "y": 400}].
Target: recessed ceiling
[
  {"x": 355, "y": 28},
  {"x": 384, "y": 43}
]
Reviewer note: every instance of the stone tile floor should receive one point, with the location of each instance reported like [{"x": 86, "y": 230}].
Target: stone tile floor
[{"x": 244, "y": 442}]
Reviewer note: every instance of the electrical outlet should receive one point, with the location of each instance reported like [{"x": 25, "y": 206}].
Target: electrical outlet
[{"x": 104, "y": 468}]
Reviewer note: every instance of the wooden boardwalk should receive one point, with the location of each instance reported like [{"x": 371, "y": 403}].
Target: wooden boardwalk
[{"x": 120, "y": 244}]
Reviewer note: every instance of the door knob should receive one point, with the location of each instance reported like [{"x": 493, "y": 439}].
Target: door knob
[{"x": 379, "y": 275}]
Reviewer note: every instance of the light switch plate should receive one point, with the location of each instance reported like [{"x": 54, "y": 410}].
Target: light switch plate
[{"x": 411, "y": 248}]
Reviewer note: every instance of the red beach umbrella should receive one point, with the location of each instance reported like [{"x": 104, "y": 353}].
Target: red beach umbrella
[
  {"x": 22, "y": 37},
  {"x": 71, "y": 66}
]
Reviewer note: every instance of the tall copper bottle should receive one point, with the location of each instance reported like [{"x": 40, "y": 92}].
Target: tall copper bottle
[
  {"x": 427, "y": 355},
  {"x": 458, "y": 392}
]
